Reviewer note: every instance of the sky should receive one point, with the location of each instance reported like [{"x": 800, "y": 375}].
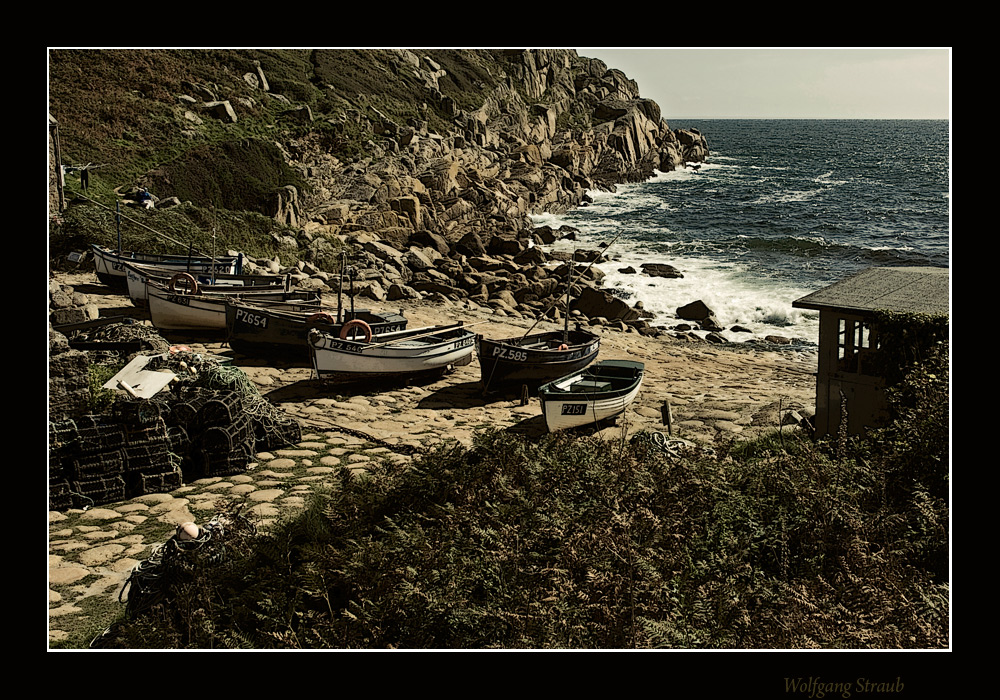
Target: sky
[{"x": 789, "y": 83}]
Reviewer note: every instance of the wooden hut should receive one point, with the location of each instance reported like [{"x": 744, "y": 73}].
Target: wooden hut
[{"x": 847, "y": 381}]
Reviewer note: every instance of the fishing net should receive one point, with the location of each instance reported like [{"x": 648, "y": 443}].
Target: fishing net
[
  {"x": 173, "y": 567},
  {"x": 226, "y": 421},
  {"x": 132, "y": 338},
  {"x": 211, "y": 422}
]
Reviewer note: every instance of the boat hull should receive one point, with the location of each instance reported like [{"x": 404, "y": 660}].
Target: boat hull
[
  {"x": 596, "y": 394},
  {"x": 207, "y": 312},
  {"x": 438, "y": 349},
  {"x": 534, "y": 359},
  {"x": 110, "y": 265},
  {"x": 136, "y": 277},
  {"x": 260, "y": 331}
]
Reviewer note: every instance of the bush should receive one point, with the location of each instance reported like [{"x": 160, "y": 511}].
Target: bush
[
  {"x": 572, "y": 542},
  {"x": 101, "y": 399}
]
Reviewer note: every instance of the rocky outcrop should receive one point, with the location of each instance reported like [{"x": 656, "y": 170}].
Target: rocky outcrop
[
  {"x": 447, "y": 214},
  {"x": 555, "y": 125},
  {"x": 442, "y": 207}
]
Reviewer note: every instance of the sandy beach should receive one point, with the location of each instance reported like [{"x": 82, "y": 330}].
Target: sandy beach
[{"x": 715, "y": 393}]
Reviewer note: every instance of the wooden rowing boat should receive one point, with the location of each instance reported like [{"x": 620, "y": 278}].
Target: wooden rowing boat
[
  {"x": 395, "y": 355},
  {"x": 110, "y": 264},
  {"x": 271, "y": 330},
  {"x": 597, "y": 393},
  {"x": 534, "y": 359},
  {"x": 176, "y": 310},
  {"x": 137, "y": 275}
]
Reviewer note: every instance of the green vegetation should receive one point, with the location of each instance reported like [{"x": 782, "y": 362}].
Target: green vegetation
[
  {"x": 174, "y": 230},
  {"x": 135, "y": 115},
  {"x": 573, "y": 542},
  {"x": 101, "y": 399}
]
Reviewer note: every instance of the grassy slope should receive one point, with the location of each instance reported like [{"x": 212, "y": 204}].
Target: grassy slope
[{"x": 121, "y": 109}]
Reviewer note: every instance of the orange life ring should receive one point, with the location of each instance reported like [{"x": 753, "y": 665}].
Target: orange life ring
[
  {"x": 322, "y": 317},
  {"x": 346, "y": 329},
  {"x": 564, "y": 346},
  {"x": 174, "y": 349},
  {"x": 192, "y": 283}
]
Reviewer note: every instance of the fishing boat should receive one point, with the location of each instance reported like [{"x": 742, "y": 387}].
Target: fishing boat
[
  {"x": 137, "y": 274},
  {"x": 176, "y": 309},
  {"x": 281, "y": 330},
  {"x": 597, "y": 393},
  {"x": 110, "y": 264},
  {"x": 401, "y": 354},
  {"x": 536, "y": 358}
]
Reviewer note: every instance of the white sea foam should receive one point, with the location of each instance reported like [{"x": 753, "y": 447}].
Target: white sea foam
[
  {"x": 787, "y": 197},
  {"x": 737, "y": 296}
]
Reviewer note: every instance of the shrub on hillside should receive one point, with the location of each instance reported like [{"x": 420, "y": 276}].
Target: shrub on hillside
[{"x": 574, "y": 542}]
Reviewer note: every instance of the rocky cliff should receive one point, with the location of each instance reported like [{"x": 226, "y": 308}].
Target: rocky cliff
[
  {"x": 427, "y": 164},
  {"x": 553, "y": 126}
]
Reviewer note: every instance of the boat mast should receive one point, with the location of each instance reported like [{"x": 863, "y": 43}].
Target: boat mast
[
  {"x": 569, "y": 277},
  {"x": 118, "y": 224},
  {"x": 340, "y": 288},
  {"x": 215, "y": 219}
]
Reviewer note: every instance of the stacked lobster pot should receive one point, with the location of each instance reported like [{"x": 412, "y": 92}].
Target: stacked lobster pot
[
  {"x": 220, "y": 430},
  {"x": 102, "y": 458},
  {"x": 219, "y": 433},
  {"x": 210, "y": 423}
]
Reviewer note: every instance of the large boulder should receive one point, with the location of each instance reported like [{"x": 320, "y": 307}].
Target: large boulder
[
  {"x": 661, "y": 270},
  {"x": 594, "y": 302},
  {"x": 471, "y": 245},
  {"x": 695, "y": 311}
]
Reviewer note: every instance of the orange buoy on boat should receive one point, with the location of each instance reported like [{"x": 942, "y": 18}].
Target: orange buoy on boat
[
  {"x": 322, "y": 316},
  {"x": 190, "y": 286},
  {"x": 353, "y": 324}
]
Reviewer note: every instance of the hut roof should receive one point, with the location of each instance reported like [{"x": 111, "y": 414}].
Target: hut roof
[{"x": 900, "y": 289}]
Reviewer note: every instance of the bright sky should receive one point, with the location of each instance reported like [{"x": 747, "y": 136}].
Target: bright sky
[{"x": 789, "y": 83}]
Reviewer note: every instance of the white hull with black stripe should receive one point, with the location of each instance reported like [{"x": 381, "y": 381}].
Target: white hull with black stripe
[
  {"x": 174, "y": 311},
  {"x": 395, "y": 355},
  {"x": 110, "y": 264},
  {"x": 137, "y": 275}
]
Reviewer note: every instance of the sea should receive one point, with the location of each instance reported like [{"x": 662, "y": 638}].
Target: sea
[{"x": 780, "y": 209}]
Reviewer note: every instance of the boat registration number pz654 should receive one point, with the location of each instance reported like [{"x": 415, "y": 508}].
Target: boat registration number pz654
[
  {"x": 251, "y": 319},
  {"x": 574, "y": 409}
]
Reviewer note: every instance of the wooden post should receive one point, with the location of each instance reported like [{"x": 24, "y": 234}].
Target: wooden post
[
  {"x": 118, "y": 225},
  {"x": 665, "y": 414}
]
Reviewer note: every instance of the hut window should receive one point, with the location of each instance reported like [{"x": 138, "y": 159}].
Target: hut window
[{"x": 856, "y": 343}]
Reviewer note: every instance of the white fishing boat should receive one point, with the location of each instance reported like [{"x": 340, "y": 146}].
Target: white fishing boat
[
  {"x": 110, "y": 264},
  {"x": 174, "y": 309},
  {"x": 399, "y": 354},
  {"x": 137, "y": 275},
  {"x": 281, "y": 330},
  {"x": 597, "y": 393}
]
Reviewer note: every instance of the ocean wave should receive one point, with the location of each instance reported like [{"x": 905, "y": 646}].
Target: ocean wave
[
  {"x": 824, "y": 179},
  {"x": 786, "y": 197},
  {"x": 792, "y": 245}
]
